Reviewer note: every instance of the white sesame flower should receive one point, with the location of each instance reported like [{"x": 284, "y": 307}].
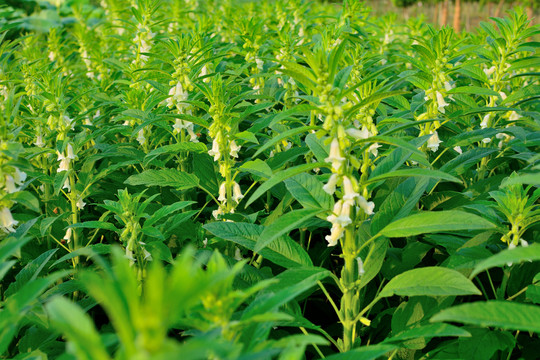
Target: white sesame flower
[
  {"x": 222, "y": 192},
  {"x": 485, "y": 121},
  {"x": 19, "y": 176},
  {"x": 64, "y": 162},
  {"x": 70, "y": 153},
  {"x": 330, "y": 186},
  {"x": 335, "y": 234},
  {"x": 215, "y": 150},
  {"x": 489, "y": 71},
  {"x": 514, "y": 116},
  {"x": 260, "y": 63},
  {"x": 67, "y": 236},
  {"x": 433, "y": 142},
  {"x": 237, "y": 193},
  {"x": 361, "y": 270},
  {"x": 503, "y": 95},
  {"x": 358, "y": 134},
  {"x": 140, "y": 137},
  {"x": 238, "y": 254},
  {"x": 367, "y": 206},
  {"x": 39, "y": 141},
  {"x": 486, "y": 140},
  {"x": 373, "y": 149},
  {"x": 344, "y": 217},
  {"x": 458, "y": 150},
  {"x": 441, "y": 103},
  {"x": 10, "y": 185},
  {"x": 216, "y": 213},
  {"x": 348, "y": 189},
  {"x": 335, "y": 155},
  {"x": 234, "y": 149},
  {"x": 80, "y": 203},
  {"x": 6, "y": 220},
  {"x": 448, "y": 86}
]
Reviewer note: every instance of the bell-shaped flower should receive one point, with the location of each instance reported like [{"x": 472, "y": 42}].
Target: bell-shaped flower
[
  {"x": 348, "y": 190},
  {"x": 458, "y": 150},
  {"x": 344, "y": 218},
  {"x": 361, "y": 270},
  {"x": 80, "y": 203},
  {"x": 335, "y": 234},
  {"x": 222, "y": 192},
  {"x": 441, "y": 103},
  {"x": 514, "y": 116},
  {"x": 490, "y": 71},
  {"x": 216, "y": 213},
  {"x": 234, "y": 149},
  {"x": 365, "y": 205},
  {"x": 330, "y": 186},
  {"x": 140, "y": 137},
  {"x": 70, "y": 154},
  {"x": 215, "y": 150},
  {"x": 433, "y": 142},
  {"x": 39, "y": 141},
  {"x": 335, "y": 212},
  {"x": 358, "y": 134},
  {"x": 374, "y": 149},
  {"x": 10, "y": 185},
  {"x": 64, "y": 162},
  {"x": 237, "y": 193},
  {"x": 67, "y": 236},
  {"x": 6, "y": 220},
  {"x": 335, "y": 155},
  {"x": 485, "y": 121}
]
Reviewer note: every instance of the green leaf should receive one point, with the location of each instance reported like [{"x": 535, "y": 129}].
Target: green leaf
[
  {"x": 475, "y": 90},
  {"x": 317, "y": 147},
  {"x": 435, "y": 221},
  {"x": 364, "y": 353},
  {"x": 399, "y": 203},
  {"x": 167, "y": 210},
  {"x": 258, "y": 168},
  {"x": 175, "y": 149},
  {"x": 373, "y": 261},
  {"x": 529, "y": 179},
  {"x": 429, "y": 331},
  {"x": 517, "y": 255},
  {"x": 166, "y": 177},
  {"x": 431, "y": 281},
  {"x": 25, "y": 199},
  {"x": 283, "y": 251},
  {"x": 291, "y": 220},
  {"x": 308, "y": 191},
  {"x": 500, "y": 314},
  {"x": 78, "y": 327},
  {"x": 419, "y": 172},
  {"x": 95, "y": 225},
  {"x": 284, "y": 135},
  {"x": 280, "y": 176}
]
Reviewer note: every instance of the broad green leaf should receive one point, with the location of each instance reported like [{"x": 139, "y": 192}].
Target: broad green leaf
[
  {"x": 515, "y": 256},
  {"x": 308, "y": 191},
  {"x": 500, "y": 314},
  {"x": 461, "y": 163},
  {"x": 399, "y": 203},
  {"x": 283, "y": 251},
  {"x": 475, "y": 90},
  {"x": 532, "y": 179},
  {"x": 95, "y": 225},
  {"x": 317, "y": 147},
  {"x": 175, "y": 149},
  {"x": 429, "y": 331},
  {"x": 284, "y": 135},
  {"x": 30, "y": 272},
  {"x": 435, "y": 221},
  {"x": 26, "y": 199},
  {"x": 373, "y": 261},
  {"x": 289, "y": 221},
  {"x": 419, "y": 172},
  {"x": 280, "y": 176},
  {"x": 431, "y": 281},
  {"x": 78, "y": 327},
  {"x": 166, "y": 177},
  {"x": 167, "y": 210},
  {"x": 364, "y": 353},
  {"x": 258, "y": 168}
]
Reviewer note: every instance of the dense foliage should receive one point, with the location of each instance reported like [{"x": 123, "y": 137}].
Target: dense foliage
[{"x": 273, "y": 179}]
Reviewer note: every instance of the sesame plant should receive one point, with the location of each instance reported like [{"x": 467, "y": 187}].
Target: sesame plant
[{"x": 266, "y": 180}]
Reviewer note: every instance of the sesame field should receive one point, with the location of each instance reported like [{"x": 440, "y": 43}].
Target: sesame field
[{"x": 246, "y": 180}]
